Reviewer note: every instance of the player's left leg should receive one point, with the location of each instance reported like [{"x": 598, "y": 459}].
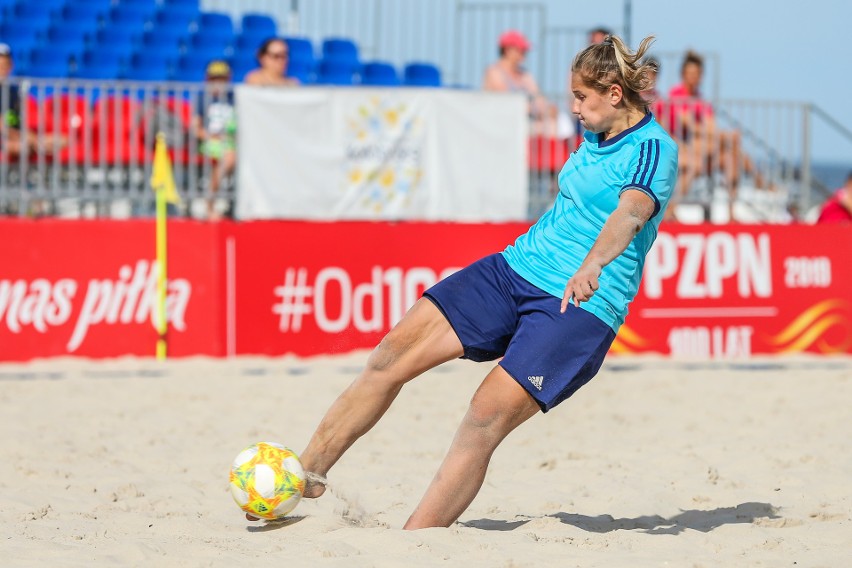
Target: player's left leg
[{"x": 498, "y": 407}]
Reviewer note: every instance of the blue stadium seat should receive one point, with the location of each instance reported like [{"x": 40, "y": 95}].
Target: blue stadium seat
[
  {"x": 95, "y": 57},
  {"x": 55, "y": 53},
  {"x": 379, "y": 74},
  {"x": 304, "y": 71},
  {"x": 160, "y": 39},
  {"x": 188, "y": 75},
  {"x": 31, "y": 16},
  {"x": 196, "y": 60},
  {"x": 211, "y": 43},
  {"x": 99, "y": 71},
  {"x": 240, "y": 67},
  {"x": 39, "y": 9},
  {"x": 336, "y": 72},
  {"x": 84, "y": 12},
  {"x": 52, "y": 69},
  {"x": 181, "y": 4},
  {"x": 149, "y": 71},
  {"x": 147, "y": 4},
  {"x": 120, "y": 39},
  {"x": 76, "y": 30},
  {"x": 102, "y": 5},
  {"x": 422, "y": 75},
  {"x": 132, "y": 16},
  {"x": 258, "y": 25},
  {"x": 301, "y": 49},
  {"x": 22, "y": 41},
  {"x": 190, "y": 69},
  {"x": 248, "y": 43},
  {"x": 158, "y": 52},
  {"x": 340, "y": 49},
  {"x": 157, "y": 59},
  {"x": 179, "y": 15},
  {"x": 216, "y": 23}
]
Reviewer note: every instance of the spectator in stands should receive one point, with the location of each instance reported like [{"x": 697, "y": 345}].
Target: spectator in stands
[
  {"x": 838, "y": 207},
  {"x": 272, "y": 55},
  {"x": 508, "y": 74},
  {"x": 661, "y": 110},
  {"x": 10, "y": 123},
  {"x": 597, "y": 35},
  {"x": 10, "y": 107},
  {"x": 215, "y": 127},
  {"x": 704, "y": 147}
]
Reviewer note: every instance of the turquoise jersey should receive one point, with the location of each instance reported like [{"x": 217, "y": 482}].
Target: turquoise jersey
[{"x": 642, "y": 158}]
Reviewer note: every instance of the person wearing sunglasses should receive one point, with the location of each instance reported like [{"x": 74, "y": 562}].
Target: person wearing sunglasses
[{"x": 273, "y": 56}]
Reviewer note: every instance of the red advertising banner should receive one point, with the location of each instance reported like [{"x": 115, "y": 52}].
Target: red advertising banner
[
  {"x": 727, "y": 292},
  {"x": 310, "y": 288},
  {"x": 87, "y": 287},
  {"x": 708, "y": 291}
]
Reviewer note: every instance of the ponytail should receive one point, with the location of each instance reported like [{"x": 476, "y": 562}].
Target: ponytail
[{"x": 613, "y": 63}]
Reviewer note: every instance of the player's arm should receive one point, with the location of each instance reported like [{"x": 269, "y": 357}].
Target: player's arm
[{"x": 633, "y": 211}]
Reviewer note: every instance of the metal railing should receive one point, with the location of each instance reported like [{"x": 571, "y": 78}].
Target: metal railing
[
  {"x": 82, "y": 148},
  {"x": 85, "y": 149}
]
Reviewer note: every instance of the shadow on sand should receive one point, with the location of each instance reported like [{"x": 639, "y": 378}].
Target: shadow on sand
[
  {"x": 698, "y": 520},
  {"x": 274, "y": 525}
]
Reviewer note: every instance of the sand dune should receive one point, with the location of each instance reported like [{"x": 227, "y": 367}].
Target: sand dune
[{"x": 654, "y": 463}]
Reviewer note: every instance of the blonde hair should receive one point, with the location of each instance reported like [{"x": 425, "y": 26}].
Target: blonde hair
[{"x": 611, "y": 62}]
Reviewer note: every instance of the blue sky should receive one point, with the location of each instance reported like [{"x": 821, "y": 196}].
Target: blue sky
[{"x": 775, "y": 50}]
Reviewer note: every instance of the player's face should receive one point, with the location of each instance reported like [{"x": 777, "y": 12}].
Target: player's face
[{"x": 595, "y": 110}]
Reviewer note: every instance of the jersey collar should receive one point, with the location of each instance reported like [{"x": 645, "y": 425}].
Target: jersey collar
[{"x": 609, "y": 142}]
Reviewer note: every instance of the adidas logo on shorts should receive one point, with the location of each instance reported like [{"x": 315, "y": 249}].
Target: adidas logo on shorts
[{"x": 536, "y": 380}]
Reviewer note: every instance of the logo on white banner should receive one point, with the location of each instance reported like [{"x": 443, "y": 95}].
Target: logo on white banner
[{"x": 384, "y": 141}]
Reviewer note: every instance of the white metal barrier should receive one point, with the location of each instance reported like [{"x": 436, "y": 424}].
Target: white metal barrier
[
  {"x": 74, "y": 148},
  {"x": 80, "y": 148}
]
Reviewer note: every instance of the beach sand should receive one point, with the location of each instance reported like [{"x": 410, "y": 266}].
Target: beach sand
[{"x": 654, "y": 463}]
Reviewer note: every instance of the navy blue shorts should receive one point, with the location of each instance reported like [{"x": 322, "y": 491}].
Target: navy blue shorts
[{"x": 496, "y": 313}]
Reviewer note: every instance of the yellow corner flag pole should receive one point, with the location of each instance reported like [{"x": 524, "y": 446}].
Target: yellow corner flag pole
[{"x": 163, "y": 184}]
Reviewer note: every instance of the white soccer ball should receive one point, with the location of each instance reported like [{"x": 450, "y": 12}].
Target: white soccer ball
[{"x": 267, "y": 480}]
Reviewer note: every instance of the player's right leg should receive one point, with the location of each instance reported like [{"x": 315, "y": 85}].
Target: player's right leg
[{"x": 421, "y": 340}]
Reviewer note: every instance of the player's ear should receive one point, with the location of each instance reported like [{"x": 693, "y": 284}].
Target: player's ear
[{"x": 616, "y": 94}]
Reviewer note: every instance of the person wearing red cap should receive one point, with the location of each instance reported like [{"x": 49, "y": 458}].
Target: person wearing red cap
[{"x": 508, "y": 74}]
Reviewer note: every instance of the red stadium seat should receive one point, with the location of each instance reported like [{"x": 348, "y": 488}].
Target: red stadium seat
[
  {"x": 62, "y": 116},
  {"x": 549, "y": 154},
  {"x": 118, "y": 132}
]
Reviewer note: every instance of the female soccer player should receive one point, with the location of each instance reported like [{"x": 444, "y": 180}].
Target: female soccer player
[{"x": 549, "y": 305}]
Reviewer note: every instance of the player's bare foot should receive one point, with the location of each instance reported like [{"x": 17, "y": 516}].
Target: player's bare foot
[{"x": 315, "y": 486}]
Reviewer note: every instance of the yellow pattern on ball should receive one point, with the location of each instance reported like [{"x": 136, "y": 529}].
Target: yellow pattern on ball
[{"x": 287, "y": 484}]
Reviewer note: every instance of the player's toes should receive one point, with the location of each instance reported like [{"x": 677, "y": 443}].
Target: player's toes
[
  {"x": 314, "y": 487},
  {"x": 250, "y": 518}
]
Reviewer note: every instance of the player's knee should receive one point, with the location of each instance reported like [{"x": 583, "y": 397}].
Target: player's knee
[
  {"x": 388, "y": 353},
  {"x": 485, "y": 420}
]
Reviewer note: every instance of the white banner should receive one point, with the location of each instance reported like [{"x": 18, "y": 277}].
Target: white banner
[{"x": 357, "y": 153}]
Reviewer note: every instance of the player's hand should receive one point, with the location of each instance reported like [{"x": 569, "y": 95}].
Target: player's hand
[{"x": 582, "y": 286}]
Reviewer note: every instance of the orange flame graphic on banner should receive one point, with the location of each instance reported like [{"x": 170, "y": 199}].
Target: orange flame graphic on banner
[
  {"x": 808, "y": 328},
  {"x": 627, "y": 341}
]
